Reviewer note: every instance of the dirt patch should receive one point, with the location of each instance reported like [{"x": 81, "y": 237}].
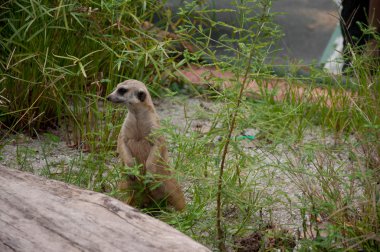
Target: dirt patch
[
  {"x": 267, "y": 178},
  {"x": 35, "y": 154},
  {"x": 267, "y": 240},
  {"x": 48, "y": 151},
  {"x": 250, "y": 243}
]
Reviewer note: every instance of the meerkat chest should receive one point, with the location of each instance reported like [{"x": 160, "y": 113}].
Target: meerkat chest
[{"x": 140, "y": 149}]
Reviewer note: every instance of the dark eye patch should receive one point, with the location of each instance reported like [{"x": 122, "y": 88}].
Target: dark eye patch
[
  {"x": 122, "y": 91},
  {"x": 141, "y": 95}
]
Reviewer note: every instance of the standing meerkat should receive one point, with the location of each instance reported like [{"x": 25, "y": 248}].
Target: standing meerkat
[{"x": 137, "y": 145}]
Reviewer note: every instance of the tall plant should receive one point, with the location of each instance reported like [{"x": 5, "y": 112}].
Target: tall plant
[
  {"x": 247, "y": 45},
  {"x": 57, "y": 58}
]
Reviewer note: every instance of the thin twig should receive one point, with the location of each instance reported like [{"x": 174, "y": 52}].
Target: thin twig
[{"x": 220, "y": 235}]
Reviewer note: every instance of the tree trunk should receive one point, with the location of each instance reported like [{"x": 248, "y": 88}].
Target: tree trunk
[{"x": 38, "y": 214}]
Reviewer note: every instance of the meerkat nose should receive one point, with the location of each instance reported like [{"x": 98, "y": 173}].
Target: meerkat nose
[{"x": 108, "y": 98}]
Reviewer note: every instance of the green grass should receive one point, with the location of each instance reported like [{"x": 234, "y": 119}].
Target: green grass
[
  {"x": 58, "y": 59},
  {"x": 312, "y": 168}
]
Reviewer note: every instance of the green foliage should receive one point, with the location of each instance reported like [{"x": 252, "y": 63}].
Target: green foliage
[
  {"x": 58, "y": 57},
  {"x": 313, "y": 163}
]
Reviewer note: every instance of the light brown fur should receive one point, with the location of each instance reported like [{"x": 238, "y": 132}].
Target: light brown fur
[{"x": 137, "y": 145}]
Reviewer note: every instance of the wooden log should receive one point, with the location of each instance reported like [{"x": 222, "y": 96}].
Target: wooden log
[{"x": 38, "y": 214}]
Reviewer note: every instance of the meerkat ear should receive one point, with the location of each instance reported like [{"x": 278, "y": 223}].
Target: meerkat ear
[{"x": 141, "y": 95}]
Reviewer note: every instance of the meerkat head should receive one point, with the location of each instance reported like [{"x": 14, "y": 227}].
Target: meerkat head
[{"x": 133, "y": 93}]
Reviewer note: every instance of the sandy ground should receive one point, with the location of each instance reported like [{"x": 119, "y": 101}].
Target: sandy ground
[{"x": 48, "y": 152}]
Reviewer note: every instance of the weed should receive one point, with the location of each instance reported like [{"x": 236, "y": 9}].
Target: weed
[
  {"x": 58, "y": 60},
  {"x": 309, "y": 176}
]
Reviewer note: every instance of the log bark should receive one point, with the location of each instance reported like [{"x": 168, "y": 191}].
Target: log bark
[{"x": 38, "y": 214}]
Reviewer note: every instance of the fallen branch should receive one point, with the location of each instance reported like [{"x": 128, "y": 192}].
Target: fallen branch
[{"x": 38, "y": 214}]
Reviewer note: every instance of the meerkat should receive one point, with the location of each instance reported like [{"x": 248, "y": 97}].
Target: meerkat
[{"x": 136, "y": 145}]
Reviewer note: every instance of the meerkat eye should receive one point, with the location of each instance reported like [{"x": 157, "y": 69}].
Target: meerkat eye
[
  {"x": 122, "y": 91},
  {"x": 141, "y": 95}
]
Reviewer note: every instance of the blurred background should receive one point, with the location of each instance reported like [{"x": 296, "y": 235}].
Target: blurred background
[{"x": 307, "y": 25}]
